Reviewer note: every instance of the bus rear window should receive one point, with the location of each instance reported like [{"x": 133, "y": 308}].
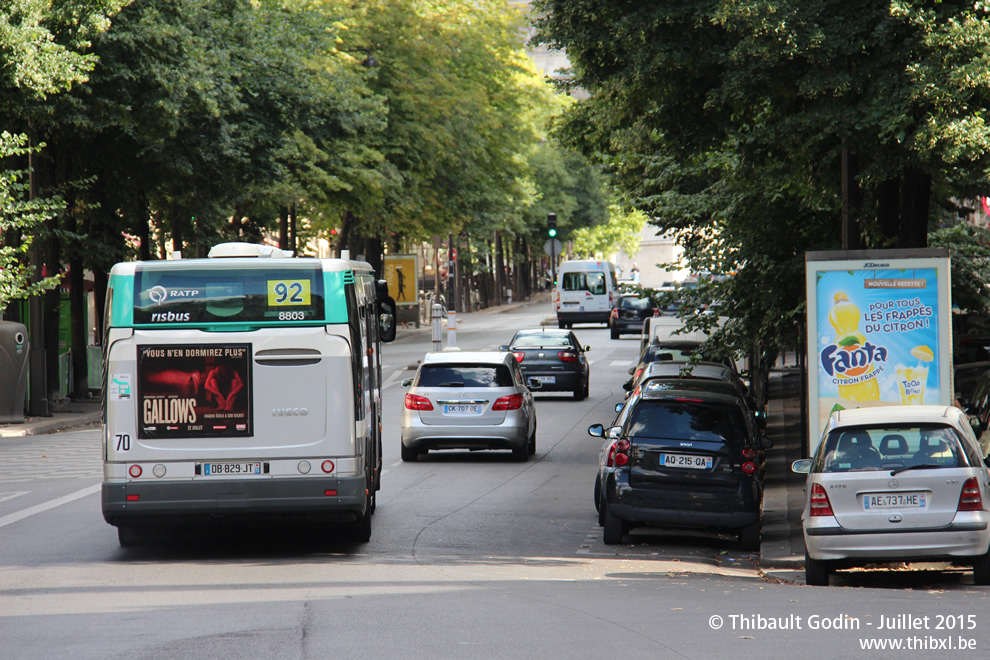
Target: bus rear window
[{"x": 228, "y": 295}]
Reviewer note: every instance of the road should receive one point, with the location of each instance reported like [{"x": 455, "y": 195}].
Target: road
[{"x": 472, "y": 556}]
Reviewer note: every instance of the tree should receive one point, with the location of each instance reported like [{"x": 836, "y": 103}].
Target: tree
[{"x": 731, "y": 125}]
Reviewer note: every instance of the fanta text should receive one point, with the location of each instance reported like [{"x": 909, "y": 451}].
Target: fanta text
[{"x": 839, "y": 359}]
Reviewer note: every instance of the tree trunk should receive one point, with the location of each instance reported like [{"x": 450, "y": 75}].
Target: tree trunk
[
  {"x": 175, "y": 217},
  {"x": 499, "y": 268},
  {"x": 52, "y": 303},
  {"x": 915, "y": 197},
  {"x": 888, "y": 208},
  {"x": 346, "y": 227},
  {"x": 77, "y": 311},
  {"x": 283, "y": 228},
  {"x": 852, "y": 203},
  {"x": 373, "y": 255}
]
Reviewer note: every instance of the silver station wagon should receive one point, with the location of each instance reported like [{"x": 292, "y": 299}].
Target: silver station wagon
[
  {"x": 896, "y": 483},
  {"x": 469, "y": 400}
]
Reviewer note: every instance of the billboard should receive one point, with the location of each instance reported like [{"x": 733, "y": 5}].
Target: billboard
[
  {"x": 194, "y": 390},
  {"x": 879, "y": 331},
  {"x": 402, "y": 276}
]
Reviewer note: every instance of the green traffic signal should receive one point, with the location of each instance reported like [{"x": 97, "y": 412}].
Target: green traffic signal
[{"x": 552, "y": 232}]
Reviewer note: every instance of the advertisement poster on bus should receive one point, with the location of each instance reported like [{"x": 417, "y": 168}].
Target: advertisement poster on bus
[
  {"x": 194, "y": 390},
  {"x": 879, "y": 331}
]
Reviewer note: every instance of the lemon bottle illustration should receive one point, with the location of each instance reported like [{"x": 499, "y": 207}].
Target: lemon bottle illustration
[
  {"x": 844, "y": 317},
  {"x": 911, "y": 381}
]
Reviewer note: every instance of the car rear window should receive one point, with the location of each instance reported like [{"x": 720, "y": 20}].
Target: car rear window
[
  {"x": 864, "y": 449},
  {"x": 541, "y": 341},
  {"x": 635, "y": 303},
  {"x": 687, "y": 420},
  {"x": 464, "y": 375},
  {"x": 592, "y": 282}
]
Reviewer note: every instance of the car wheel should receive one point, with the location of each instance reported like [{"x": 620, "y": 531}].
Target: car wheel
[
  {"x": 361, "y": 531},
  {"x": 749, "y": 537},
  {"x": 129, "y": 537},
  {"x": 409, "y": 455},
  {"x": 598, "y": 493},
  {"x": 816, "y": 572},
  {"x": 981, "y": 569},
  {"x": 601, "y": 510},
  {"x": 615, "y": 528},
  {"x": 581, "y": 392},
  {"x": 614, "y": 332},
  {"x": 522, "y": 453},
  {"x": 531, "y": 445}
]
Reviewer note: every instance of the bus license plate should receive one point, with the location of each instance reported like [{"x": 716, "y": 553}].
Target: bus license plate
[
  {"x": 462, "y": 409},
  {"x": 894, "y": 501},
  {"x": 686, "y": 461},
  {"x": 224, "y": 469}
]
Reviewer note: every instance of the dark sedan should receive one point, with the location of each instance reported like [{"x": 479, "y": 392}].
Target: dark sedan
[
  {"x": 554, "y": 357},
  {"x": 629, "y": 313},
  {"x": 686, "y": 456}
]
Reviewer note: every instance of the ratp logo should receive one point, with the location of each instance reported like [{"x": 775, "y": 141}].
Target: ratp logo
[{"x": 158, "y": 294}]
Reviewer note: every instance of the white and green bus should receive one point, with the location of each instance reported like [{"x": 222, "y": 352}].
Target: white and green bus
[{"x": 243, "y": 387}]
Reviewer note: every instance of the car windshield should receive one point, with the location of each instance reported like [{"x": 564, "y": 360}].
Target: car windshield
[
  {"x": 863, "y": 449},
  {"x": 541, "y": 341},
  {"x": 688, "y": 420},
  {"x": 464, "y": 375}
]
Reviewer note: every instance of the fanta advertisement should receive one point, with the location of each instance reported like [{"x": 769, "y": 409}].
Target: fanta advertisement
[{"x": 878, "y": 338}]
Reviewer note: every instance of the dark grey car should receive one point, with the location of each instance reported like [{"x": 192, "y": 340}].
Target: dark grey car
[{"x": 554, "y": 357}]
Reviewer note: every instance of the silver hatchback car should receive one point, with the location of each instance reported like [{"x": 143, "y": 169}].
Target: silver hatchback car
[
  {"x": 896, "y": 483},
  {"x": 469, "y": 400}
]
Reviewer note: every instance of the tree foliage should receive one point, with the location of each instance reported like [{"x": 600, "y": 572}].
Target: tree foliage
[{"x": 726, "y": 122}]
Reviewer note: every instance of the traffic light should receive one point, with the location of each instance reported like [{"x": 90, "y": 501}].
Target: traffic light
[{"x": 552, "y": 224}]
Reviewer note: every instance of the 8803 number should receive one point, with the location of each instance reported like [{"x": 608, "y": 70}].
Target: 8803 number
[{"x": 291, "y": 316}]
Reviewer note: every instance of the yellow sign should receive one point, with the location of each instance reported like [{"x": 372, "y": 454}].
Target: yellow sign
[
  {"x": 288, "y": 292},
  {"x": 402, "y": 275}
]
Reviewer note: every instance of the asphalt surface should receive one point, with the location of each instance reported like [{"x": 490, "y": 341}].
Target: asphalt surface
[{"x": 782, "y": 545}]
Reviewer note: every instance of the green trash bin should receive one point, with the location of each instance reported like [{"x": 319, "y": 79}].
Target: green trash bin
[{"x": 13, "y": 371}]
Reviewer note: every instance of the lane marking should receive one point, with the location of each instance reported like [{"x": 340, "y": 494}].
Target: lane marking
[
  {"x": 41, "y": 508},
  {"x": 9, "y": 496}
]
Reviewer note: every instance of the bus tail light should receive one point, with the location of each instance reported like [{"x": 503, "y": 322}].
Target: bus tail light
[
  {"x": 327, "y": 466},
  {"x": 135, "y": 471}
]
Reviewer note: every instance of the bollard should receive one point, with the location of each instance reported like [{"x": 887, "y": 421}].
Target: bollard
[
  {"x": 451, "y": 329},
  {"x": 436, "y": 315}
]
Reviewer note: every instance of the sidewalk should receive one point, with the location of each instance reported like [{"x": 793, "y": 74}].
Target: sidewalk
[
  {"x": 69, "y": 415},
  {"x": 782, "y": 547}
]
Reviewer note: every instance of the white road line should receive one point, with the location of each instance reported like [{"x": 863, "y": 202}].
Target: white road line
[
  {"x": 620, "y": 363},
  {"x": 396, "y": 464},
  {"x": 9, "y": 496},
  {"x": 391, "y": 379},
  {"x": 41, "y": 508}
]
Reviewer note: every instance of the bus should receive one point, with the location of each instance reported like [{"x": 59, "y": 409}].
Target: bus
[{"x": 243, "y": 387}]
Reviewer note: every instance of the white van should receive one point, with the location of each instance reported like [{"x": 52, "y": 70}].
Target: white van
[{"x": 585, "y": 292}]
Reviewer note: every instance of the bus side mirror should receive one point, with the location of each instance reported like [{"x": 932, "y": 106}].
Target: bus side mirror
[
  {"x": 381, "y": 289},
  {"x": 386, "y": 318}
]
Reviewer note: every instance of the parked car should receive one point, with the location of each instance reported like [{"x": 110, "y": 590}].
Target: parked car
[
  {"x": 555, "y": 358},
  {"x": 606, "y": 460},
  {"x": 972, "y": 349},
  {"x": 629, "y": 313},
  {"x": 679, "y": 351},
  {"x": 686, "y": 457},
  {"x": 469, "y": 400},
  {"x": 966, "y": 378},
  {"x": 896, "y": 483},
  {"x": 978, "y": 407}
]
